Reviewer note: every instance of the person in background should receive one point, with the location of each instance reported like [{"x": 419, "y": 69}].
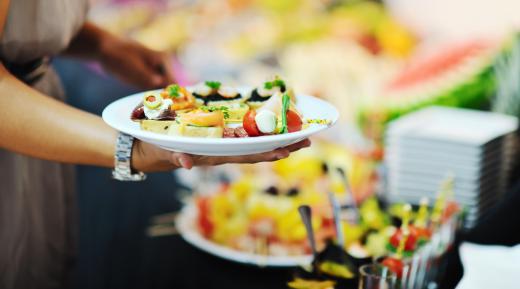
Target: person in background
[{"x": 40, "y": 136}]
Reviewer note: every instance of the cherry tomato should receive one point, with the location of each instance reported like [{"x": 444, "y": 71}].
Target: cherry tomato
[
  {"x": 420, "y": 233},
  {"x": 410, "y": 244},
  {"x": 394, "y": 265},
  {"x": 249, "y": 123},
  {"x": 450, "y": 210},
  {"x": 294, "y": 122}
]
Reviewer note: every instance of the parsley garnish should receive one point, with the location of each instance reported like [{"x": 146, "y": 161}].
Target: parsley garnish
[
  {"x": 213, "y": 84},
  {"x": 173, "y": 90},
  {"x": 212, "y": 108},
  {"x": 277, "y": 82}
]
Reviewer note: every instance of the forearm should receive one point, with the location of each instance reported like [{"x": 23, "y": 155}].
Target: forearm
[
  {"x": 39, "y": 126},
  {"x": 89, "y": 42}
]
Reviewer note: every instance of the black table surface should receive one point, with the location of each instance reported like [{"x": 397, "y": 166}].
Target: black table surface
[{"x": 115, "y": 251}]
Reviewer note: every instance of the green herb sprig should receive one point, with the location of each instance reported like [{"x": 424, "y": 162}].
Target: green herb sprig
[
  {"x": 213, "y": 84},
  {"x": 173, "y": 90},
  {"x": 212, "y": 108},
  {"x": 277, "y": 82}
]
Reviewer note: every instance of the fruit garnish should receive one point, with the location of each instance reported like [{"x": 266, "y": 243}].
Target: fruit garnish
[
  {"x": 401, "y": 237},
  {"x": 152, "y": 101},
  {"x": 213, "y": 84},
  {"x": 299, "y": 283},
  {"x": 410, "y": 243},
  {"x": 403, "y": 234},
  {"x": 335, "y": 269}
]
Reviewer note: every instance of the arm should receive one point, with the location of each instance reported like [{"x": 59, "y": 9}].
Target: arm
[
  {"x": 39, "y": 126},
  {"x": 126, "y": 59}
]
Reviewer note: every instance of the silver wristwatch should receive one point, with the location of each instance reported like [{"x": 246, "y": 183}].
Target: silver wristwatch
[{"x": 122, "y": 166}]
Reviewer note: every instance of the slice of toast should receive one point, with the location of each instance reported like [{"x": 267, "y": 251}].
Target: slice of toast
[
  {"x": 195, "y": 131},
  {"x": 157, "y": 126}
]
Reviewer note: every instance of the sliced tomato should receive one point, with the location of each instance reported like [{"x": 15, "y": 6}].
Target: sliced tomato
[
  {"x": 294, "y": 122},
  {"x": 422, "y": 234},
  {"x": 394, "y": 265},
  {"x": 410, "y": 243},
  {"x": 249, "y": 123}
]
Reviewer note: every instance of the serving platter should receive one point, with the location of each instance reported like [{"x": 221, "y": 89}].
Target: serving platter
[
  {"x": 117, "y": 115},
  {"x": 187, "y": 227}
]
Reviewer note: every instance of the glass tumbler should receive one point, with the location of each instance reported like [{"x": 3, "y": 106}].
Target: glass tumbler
[{"x": 376, "y": 276}]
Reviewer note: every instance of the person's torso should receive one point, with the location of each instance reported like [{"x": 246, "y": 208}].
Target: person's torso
[{"x": 38, "y": 28}]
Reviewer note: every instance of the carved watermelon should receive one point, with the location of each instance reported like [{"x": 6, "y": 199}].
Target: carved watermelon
[{"x": 460, "y": 76}]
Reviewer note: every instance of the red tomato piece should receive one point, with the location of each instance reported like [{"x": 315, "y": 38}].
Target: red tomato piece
[
  {"x": 420, "y": 233},
  {"x": 410, "y": 244},
  {"x": 394, "y": 265},
  {"x": 249, "y": 123},
  {"x": 294, "y": 122}
]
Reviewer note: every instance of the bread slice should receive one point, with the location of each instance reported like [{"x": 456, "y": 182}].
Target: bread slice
[
  {"x": 195, "y": 131},
  {"x": 157, "y": 126}
]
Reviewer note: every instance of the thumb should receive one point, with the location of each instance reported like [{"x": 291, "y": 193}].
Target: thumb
[{"x": 182, "y": 160}]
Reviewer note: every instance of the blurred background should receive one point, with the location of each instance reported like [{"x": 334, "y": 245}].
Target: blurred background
[{"x": 376, "y": 61}]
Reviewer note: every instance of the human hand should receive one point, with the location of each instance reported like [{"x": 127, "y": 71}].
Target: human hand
[
  {"x": 149, "y": 158},
  {"x": 135, "y": 63}
]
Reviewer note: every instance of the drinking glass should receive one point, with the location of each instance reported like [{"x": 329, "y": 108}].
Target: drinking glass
[{"x": 376, "y": 276}]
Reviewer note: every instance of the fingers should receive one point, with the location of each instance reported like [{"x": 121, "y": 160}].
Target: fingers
[
  {"x": 182, "y": 160},
  {"x": 161, "y": 64},
  {"x": 138, "y": 72},
  {"x": 299, "y": 145},
  {"x": 255, "y": 158}
]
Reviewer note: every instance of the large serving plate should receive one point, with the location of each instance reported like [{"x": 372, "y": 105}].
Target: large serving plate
[
  {"x": 187, "y": 227},
  {"x": 117, "y": 115}
]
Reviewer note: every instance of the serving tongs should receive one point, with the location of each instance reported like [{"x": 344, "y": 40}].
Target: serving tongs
[{"x": 350, "y": 200}]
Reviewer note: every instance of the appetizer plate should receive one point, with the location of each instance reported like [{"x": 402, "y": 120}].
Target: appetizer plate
[
  {"x": 117, "y": 115},
  {"x": 187, "y": 227}
]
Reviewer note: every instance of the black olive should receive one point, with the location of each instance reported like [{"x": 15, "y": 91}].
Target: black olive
[
  {"x": 272, "y": 190},
  {"x": 293, "y": 192},
  {"x": 324, "y": 168}
]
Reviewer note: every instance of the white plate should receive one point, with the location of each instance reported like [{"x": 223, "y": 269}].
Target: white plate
[
  {"x": 187, "y": 227},
  {"x": 117, "y": 115}
]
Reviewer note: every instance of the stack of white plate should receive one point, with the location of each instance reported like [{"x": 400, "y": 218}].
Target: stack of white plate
[{"x": 426, "y": 147}]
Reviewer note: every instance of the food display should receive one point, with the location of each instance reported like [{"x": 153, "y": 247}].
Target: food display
[
  {"x": 412, "y": 249},
  {"x": 211, "y": 110},
  {"x": 261, "y": 220},
  {"x": 257, "y": 212},
  {"x": 354, "y": 54}
]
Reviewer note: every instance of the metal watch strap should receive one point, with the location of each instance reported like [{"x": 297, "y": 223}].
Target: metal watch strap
[{"x": 122, "y": 165}]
